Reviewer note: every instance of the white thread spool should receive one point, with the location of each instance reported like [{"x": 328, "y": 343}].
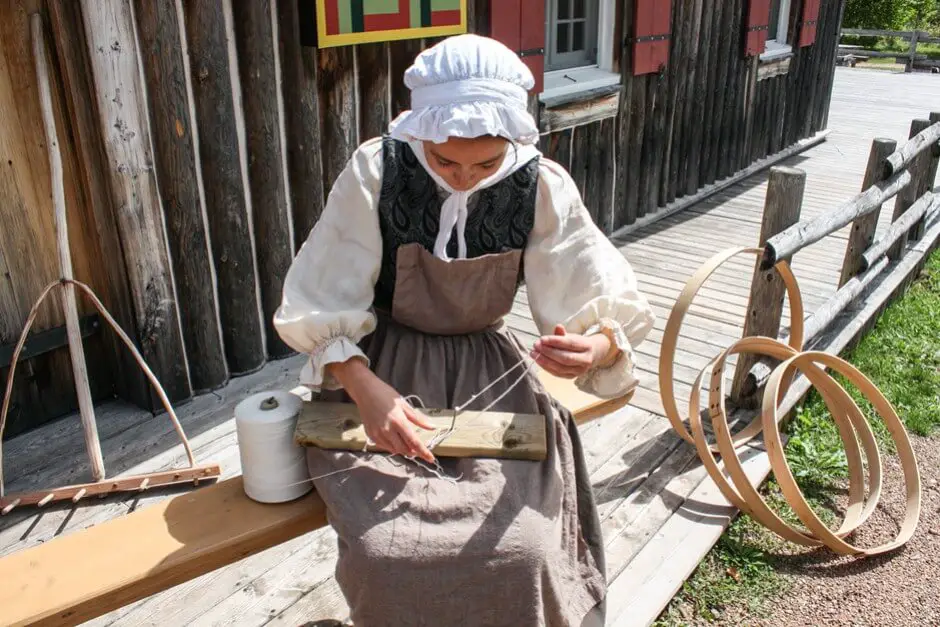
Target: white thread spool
[{"x": 274, "y": 467}]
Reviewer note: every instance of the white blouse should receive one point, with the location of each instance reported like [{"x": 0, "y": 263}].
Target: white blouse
[{"x": 574, "y": 276}]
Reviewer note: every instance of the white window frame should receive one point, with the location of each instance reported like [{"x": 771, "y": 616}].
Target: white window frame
[
  {"x": 567, "y": 83},
  {"x": 778, "y": 47}
]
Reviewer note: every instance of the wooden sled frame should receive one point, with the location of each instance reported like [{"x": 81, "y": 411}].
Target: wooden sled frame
[{"x": 129, "y": 558}]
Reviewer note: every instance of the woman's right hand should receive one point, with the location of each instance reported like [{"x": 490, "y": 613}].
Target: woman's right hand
[{"x": 386, "y": 416}]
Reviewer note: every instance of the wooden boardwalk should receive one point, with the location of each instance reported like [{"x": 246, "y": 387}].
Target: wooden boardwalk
[{"x": 644, "y": 477}]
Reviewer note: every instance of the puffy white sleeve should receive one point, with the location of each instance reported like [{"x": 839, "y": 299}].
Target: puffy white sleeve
[
  {"x": 328, "y": 291},
  {"x": 577, "y": 278}
]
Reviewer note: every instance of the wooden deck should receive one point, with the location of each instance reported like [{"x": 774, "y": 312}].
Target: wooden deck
[{"x": 644, "y": 477}]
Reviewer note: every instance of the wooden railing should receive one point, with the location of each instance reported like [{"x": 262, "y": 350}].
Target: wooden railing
[
  {"x": 905, "y": 173},
  {"x": 849, "y": 54}
]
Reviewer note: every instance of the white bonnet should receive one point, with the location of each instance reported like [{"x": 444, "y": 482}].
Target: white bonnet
[{"x": 467, "y": 86}]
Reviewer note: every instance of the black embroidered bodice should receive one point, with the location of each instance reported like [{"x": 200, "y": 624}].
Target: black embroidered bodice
[{"x": 500, "y": 217}]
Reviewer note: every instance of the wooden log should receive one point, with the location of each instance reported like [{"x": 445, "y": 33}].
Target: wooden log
[
  {"x": 180, "y": 178},
  {"x": 582, "y": 152},
  {"x": 799, "y": 236},
  {"x": 638, "y": 154},
  {"x": 929, "y": 175},
  {"x": 69, "y": 35},
  {"x": 79, "y": 369},
  {"x": 677, "y": 73},
  {"x": 925, "y": 206},
  {"x": 337, "y": 426},
  {"x": 624, "y": 120},
  {"x": 374, "y": 62},
  {"x": 780, "y": 116},
  {"x": 719, "y": 87},
  {"x": 765, "y": 306},
  {"x": 259, "y": 68},
  {"x": 558, "y": 147},
  {"x": 656, "y": 133},
  {"x": 698, "y": 112},
  {"x": 601, "y": 174},
  {"x": 918, "y": 170},
  {"x": 729, "y": 119},
  {"x": 863, "y": 229},
  {"x": 403, "y": 54},
  {"x": 302, "y": 122},
  {"x": 121, "y": 105},
  {"x": 873, "y": 32},
  {"x": 754, "y": 99},
  {"x": 905, "y": 155},
  {"x": 931, "y": 179},
  {"x": 339, "y": 131},
  {"x": 218, "y": 98},
  {"x": 831, "y": 67}
]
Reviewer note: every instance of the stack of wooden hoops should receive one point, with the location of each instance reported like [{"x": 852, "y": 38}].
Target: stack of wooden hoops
[{"x": 852, "y": 424}]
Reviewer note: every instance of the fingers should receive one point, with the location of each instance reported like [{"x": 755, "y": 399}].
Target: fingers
[
  {"x": 572, "y": 343},
  {"x": 566, "y": 358},
  {"x": 560, "y": 330},
  {"x": 417, "y": 418},
  {"x": 414, "y": 445}
]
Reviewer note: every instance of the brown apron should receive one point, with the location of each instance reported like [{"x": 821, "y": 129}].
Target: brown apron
[{"x": 513, "y": 543}]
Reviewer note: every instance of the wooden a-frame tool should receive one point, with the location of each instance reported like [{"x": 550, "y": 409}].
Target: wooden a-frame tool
[{"x": 100, "y": 485}]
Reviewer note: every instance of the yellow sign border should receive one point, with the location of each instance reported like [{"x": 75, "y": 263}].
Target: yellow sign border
[{"x": 347, "y": 39}]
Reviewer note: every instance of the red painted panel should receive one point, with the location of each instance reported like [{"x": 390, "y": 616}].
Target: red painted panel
[
  {"x": 445, "y": 18},
  {"x": 758, "y": 22},
  {"x": 390, "y": 21},
  {"x": 505, "y": 22},
  {"x": 808, "y": 23},
  {"x": 332, "y": 17},
  {"x": 651, "y": 30}
]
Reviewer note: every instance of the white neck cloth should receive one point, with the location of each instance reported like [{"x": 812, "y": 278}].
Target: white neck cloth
[{"x": 454, "y": 210}]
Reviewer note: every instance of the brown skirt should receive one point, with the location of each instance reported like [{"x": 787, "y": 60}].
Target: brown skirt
[{"x": 513, "y": 543}]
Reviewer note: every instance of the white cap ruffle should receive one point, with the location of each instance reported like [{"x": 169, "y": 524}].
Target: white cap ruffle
[{"x": 467, "y": 86}]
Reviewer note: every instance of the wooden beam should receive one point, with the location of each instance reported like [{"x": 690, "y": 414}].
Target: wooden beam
[
  {"x": 217, "y": 95},
  {"x": 765, "y": 306},
  {"x": 799, "y": 236},
  {"x": 925, "y": 206},
  {"x": 863, "y": 228},
  {"x": 260, "y": 73},
  {"x": 557, "y": 119},
  {"x": 121, "y": 105},
  {"x": 905, "y": 155},
  {"x": 160, "y": 28}
]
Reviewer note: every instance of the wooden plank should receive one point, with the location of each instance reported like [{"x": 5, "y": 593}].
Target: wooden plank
[
  {"x": 259, "y": 67},
  {"x": 186, "y": 536},
  {"x": 301, "y": 120},
  {"x": 374, "y": 88},
  {"x": 180, "y": 178},
  {"x": 66, "y": 27},
  {"x": 337, "y": 426},
  {"x": 339, "y": 132},
  {"x": 219, "y": 114},
  {"x": 121, "y": 105},
  {"x": 579, "y": 114},
  {"x": 765, "y": 306}
]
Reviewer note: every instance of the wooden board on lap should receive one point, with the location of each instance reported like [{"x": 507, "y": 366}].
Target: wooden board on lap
[{"x": 336, "y": 426}]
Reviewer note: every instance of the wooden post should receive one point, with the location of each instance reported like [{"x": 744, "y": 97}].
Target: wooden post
[
  {"x": 765, "y": 307},
  {"x": 339, "y": 129},
  {"x": 175, "y": 144},
  {"x": 260, "y": 73},
  {"x": 912, "y": 53},
  {"x": 908, "y": 196},
  {"x": 76, "y": 349},
  {"x": 374, "y": 89},
  {"x": 121, "y": 105},
  {"x": 217, "y": 94},
  {"x": 863, "y": 229}
]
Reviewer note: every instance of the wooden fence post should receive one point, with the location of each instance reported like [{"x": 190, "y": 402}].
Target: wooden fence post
[
  {"x": 863, "y": 229},
  {"x": 765, "y": 307},
  {"x": 909, "y": 195},
  {"x": 912, "y": 53}
]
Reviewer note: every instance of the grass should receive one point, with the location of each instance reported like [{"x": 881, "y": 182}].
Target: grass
[{"x": 901, "y": 355}]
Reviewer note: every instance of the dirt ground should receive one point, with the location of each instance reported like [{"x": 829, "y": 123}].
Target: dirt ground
[{"x": 900, "y": 588}]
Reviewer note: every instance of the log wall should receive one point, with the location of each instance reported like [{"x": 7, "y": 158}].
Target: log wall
[{"x": 202, "y": 137}]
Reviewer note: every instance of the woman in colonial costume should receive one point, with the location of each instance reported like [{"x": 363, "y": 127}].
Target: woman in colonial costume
[{"x": 399, "y": 292}]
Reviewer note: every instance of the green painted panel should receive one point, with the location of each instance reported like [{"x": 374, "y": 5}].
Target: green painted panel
[
  {"x": 376, "y": 7},
  {"x": 345, "y": 16},
  {"x": 445, "y": 5},
  {"x": 415, "y": 13}
]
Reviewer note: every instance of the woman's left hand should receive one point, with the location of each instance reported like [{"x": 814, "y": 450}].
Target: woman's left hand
[{"x": 570, "y": 355}]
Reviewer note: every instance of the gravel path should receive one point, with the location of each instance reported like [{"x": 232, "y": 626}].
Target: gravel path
[{"x": 902, "y": 588}]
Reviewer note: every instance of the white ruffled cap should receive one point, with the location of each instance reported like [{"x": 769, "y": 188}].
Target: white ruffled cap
[{"x": 467, "y": 86}]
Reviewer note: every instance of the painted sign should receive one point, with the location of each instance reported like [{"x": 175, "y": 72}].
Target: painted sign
[{"x": 345, "y": 22}]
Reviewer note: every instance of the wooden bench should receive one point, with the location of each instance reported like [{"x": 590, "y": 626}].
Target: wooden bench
[{"x": 89, "y": 573}]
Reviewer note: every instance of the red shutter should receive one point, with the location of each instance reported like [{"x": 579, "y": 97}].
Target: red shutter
[
  {"x": 758, "y": 25},
  {"x": 651, "y": 35},
  {"x": 520, "y": 24},
  {"x": 808, "y": 22}
]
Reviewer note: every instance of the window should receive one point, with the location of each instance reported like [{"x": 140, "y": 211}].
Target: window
[
  {"x": 778, "y": 32},
  {"x": 579, "y": 47},
  {"x": 570, "y": 34}
]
